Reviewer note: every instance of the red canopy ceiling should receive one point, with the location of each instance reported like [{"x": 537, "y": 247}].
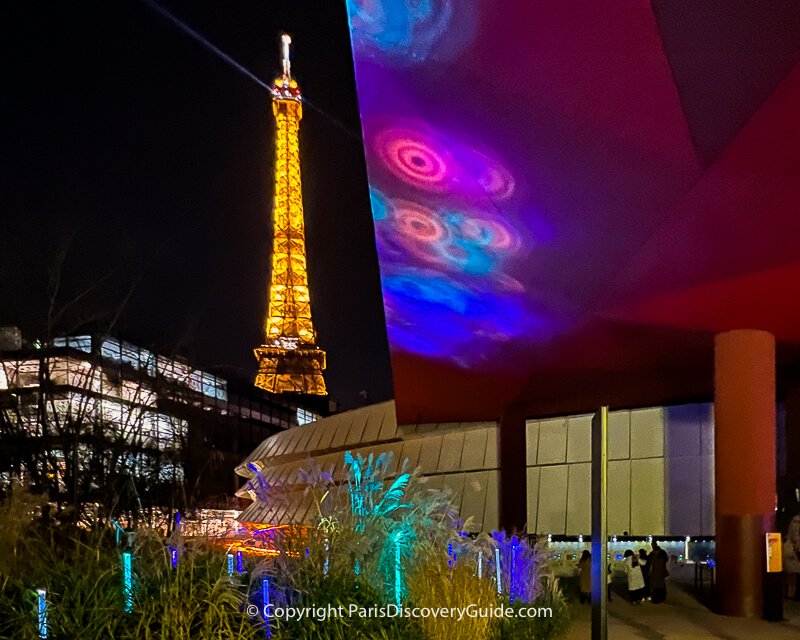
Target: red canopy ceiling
[{"x": 571, "y": 198}]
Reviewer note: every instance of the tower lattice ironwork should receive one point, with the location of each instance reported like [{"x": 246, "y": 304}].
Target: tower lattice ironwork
[{"x": 289, "y": 361}]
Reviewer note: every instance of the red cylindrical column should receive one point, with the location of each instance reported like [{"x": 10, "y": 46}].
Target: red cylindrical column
[{"x": 744, "y": 461}]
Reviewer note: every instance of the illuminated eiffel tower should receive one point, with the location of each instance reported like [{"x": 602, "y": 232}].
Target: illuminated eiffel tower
[{"x": 289, "y": 361}]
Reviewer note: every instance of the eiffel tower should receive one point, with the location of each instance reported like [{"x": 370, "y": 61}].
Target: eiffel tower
[{"x": 289, "y": 361}]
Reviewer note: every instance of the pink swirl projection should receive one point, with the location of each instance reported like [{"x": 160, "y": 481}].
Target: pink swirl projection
[
  {"x": 419, "y": 230},
  {"x": 417, "y": 223},
  {"x": 415, "y": 158},
  {"x": 490, "y": 233},
  {"x": 497, "y": 182}
]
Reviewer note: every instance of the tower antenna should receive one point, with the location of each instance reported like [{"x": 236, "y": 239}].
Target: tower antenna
[{"x": 286, "y": 42}]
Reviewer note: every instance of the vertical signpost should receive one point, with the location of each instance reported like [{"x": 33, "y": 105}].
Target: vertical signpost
[
  {"x": 600, "y": 524},
  {"x": 773, "y": 581}
]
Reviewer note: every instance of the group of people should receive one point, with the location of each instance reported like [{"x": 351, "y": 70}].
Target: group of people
[
  {"x": 646, "y": 575},
  {"x": 791, "y": 560}
]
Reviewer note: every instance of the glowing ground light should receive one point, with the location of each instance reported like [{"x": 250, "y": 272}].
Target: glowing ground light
[
  {"x": 415, "y": 158},
  {"x": 127, "y": 580},
  {"x": 265, "y": 604},
  {"x": 497, "y": 571},
  {"x": 173, "y": 557},
  {"x": 239, "y": 561},
  {"x": 41, "y": 612},
  {"x": 513, "y": 569},
  {"x": 480, "y": 564},
  {"x": 230, "y": 565}
]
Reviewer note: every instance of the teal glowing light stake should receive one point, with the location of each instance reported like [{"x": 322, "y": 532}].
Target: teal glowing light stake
[
  {"x": 397, "y": 569},
  {"x": 480, "y": 564},
  {"x": 265, "y": 604},
  {"x": 127, "y": 580},
  {"x": 497, "y": 568},
  {"x": 327, "y": 558},
  {"x": 41, "y": 612},
  {"x": 230, "y": 565}
]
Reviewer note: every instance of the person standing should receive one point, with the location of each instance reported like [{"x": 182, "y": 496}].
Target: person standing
[
  {"x": 585, "y": 576},
  {"x": 645, "y": 565},
  {"x": 658, "y": 574},
  {"x": 791, "y": 558},
  {"x": 635, "y": 578}
]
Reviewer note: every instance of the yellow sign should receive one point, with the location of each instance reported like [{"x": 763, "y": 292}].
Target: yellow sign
[{"x": 774, "y": 553}]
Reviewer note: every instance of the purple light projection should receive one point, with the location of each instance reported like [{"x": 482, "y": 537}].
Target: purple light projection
[
  {"x": 444, "y": 214},
  {"x": 408, "y": 32},
  {"x": 523, "y": 161}
]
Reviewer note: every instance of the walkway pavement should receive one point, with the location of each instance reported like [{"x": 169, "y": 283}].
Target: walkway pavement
[{"x": 682, "y": 617}]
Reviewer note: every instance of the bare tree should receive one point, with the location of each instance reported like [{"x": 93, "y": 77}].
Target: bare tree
[{"x": 86, "y": 430}]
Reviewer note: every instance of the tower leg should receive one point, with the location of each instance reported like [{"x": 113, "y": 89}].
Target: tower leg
[{"x": 744, "y": 458}]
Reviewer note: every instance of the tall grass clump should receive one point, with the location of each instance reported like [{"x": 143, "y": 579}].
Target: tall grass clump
[
  {"x": 82, "y": 572},
  {"x": 379, "y": 543},
  {"x": 433, "y": 584}
]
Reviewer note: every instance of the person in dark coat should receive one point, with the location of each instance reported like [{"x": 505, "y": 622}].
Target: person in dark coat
[
  {"x": 585, "y": 576},
  {"x": 658, "y": 573}
]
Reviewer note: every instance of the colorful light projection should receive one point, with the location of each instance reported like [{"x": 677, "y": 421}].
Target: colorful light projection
[
  {"x": 407, "y": 32},
  {"x": 446, "y": 217}
]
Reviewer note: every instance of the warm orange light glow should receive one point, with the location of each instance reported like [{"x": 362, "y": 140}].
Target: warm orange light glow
[{"x": 289, "y": 361}]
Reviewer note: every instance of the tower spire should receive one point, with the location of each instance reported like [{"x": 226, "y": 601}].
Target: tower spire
[
  {"x": 286, "y": 42},
  {"x": 289, "y": 361}
]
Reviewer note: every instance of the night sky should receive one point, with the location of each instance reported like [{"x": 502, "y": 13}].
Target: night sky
[{"x": 144, "y": 161}]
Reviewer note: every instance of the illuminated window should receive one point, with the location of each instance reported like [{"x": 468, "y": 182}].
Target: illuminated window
[
  {"x": 83, "y": 343},
  {"x": 110, "y": 349},
  {"x": 304, "y": 416},
  {"x": 172, "y": 369}
]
